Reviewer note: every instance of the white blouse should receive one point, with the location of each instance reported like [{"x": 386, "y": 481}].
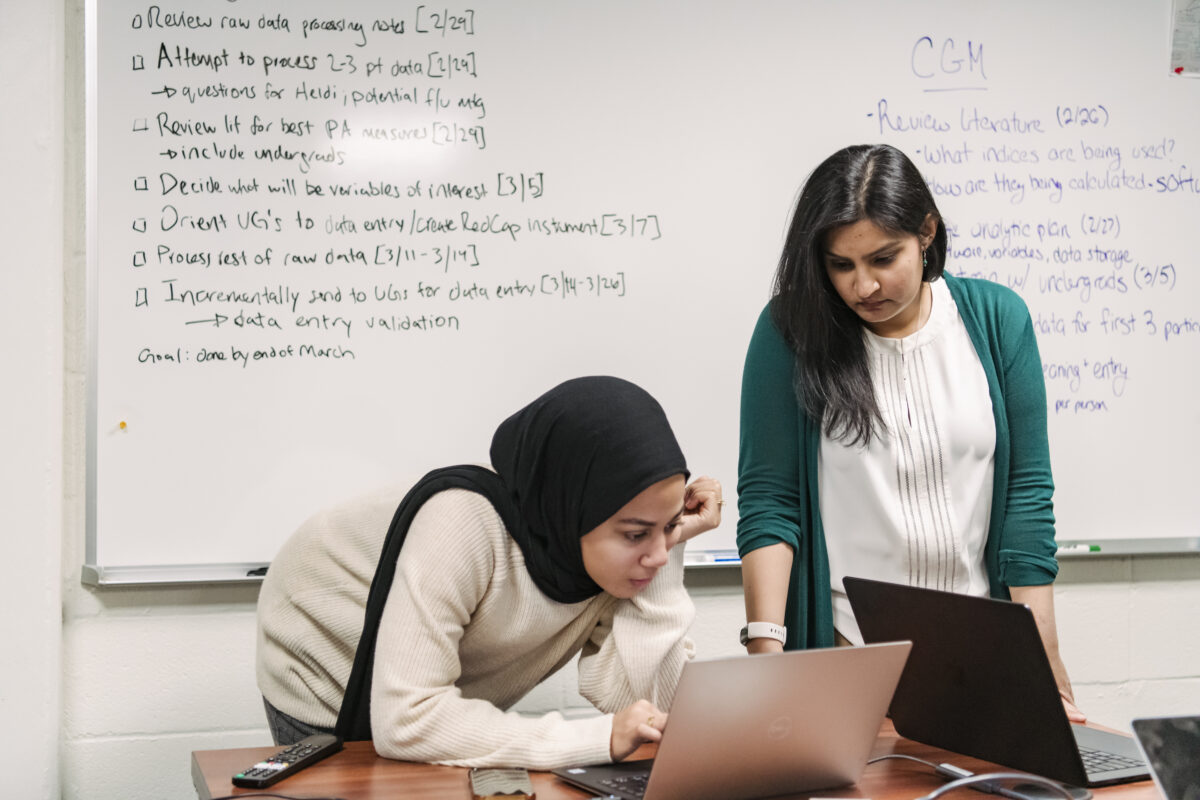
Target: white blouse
[{"x": 914, "y": 506}]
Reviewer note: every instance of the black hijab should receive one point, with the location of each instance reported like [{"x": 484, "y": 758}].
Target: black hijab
[{"x": 563, "y": 465}]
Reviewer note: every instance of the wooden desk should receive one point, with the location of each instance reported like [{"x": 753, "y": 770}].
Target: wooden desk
[{"x": 357, "y": 773}]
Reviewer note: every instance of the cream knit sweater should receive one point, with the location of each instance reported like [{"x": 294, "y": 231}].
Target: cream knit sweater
[{"x": 464, "y": 635}]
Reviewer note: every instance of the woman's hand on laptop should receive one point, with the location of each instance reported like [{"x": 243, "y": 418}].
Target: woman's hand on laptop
[
  {"x": 634, "y": 726},
  {"x": 1073, "y": 712}
]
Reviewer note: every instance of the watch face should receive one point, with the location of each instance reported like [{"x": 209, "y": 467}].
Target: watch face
[{"x": 744, "y": 637}]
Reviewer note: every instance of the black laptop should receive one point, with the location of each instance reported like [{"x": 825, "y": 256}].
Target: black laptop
[
  {"x": 978, "y": 682},
  {"x": 1172, "y": 748}
]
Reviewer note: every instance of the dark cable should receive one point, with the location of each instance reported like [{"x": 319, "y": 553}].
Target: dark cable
[
  {"x": 945, "y": 770},
  {"x": 988, "y": 777},
  {"x": 960, "y": 777}
]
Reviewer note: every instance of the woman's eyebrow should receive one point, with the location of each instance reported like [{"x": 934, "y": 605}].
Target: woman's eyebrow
[
  {"x": 872, "y": 254},
  {"x": 648, "y": 523}
]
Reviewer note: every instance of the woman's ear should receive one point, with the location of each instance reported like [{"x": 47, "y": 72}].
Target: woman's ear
[{"x": 929, "y": 229}]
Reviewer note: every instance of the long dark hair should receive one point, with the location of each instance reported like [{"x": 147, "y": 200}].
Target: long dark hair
[{"x": 863, "y": 182}]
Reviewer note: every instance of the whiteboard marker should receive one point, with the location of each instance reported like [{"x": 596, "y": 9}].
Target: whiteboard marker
[{"x": 1079, "y": 548}]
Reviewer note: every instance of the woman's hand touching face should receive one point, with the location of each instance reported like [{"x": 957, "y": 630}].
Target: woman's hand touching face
[{"x": 702, "y": 504}]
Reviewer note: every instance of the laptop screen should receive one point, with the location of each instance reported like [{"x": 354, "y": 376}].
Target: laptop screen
[
  {"x": 758, "y": 726},
  {"x": 1172, "y": 748}
]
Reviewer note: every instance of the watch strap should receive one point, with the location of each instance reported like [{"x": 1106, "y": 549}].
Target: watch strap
[{"x": 763, "y": 630}]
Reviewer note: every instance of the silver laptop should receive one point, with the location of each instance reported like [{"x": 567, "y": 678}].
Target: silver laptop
[
  {"x": 1171, "y": 746},
  {"x": 755, "y": 726}
]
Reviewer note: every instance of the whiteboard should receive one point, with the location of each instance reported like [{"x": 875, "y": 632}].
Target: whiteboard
[{"x": 331, "y": 246}]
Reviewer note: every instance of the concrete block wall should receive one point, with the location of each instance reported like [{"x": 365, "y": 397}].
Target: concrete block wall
[
  {"x": 147, "y": 684},
  {"x": 1129, "y": 629}
]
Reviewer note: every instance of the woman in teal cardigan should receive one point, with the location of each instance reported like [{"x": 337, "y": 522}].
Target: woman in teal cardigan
[{"x": 893, "y": 420}]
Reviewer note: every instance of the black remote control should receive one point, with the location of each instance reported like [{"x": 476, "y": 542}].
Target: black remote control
[{"x": 288, "y": 761}]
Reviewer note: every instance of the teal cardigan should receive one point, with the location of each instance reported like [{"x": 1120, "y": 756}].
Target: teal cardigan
[{"x": 778, "y": 496}]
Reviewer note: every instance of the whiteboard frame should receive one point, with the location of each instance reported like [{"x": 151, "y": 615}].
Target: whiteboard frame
[
  {"x": 91, "y": 258},
  {"x": 253, "y": 572},
  {"x": 102, "y": 575}
]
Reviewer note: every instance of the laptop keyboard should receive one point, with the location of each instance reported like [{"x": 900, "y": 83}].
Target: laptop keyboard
[
  {"x": 627, "y": 785},
  {"x": 1102, "y": 761}
]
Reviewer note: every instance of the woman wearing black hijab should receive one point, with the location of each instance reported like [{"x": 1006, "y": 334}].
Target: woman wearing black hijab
[{"x": 486, "y": 582}]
